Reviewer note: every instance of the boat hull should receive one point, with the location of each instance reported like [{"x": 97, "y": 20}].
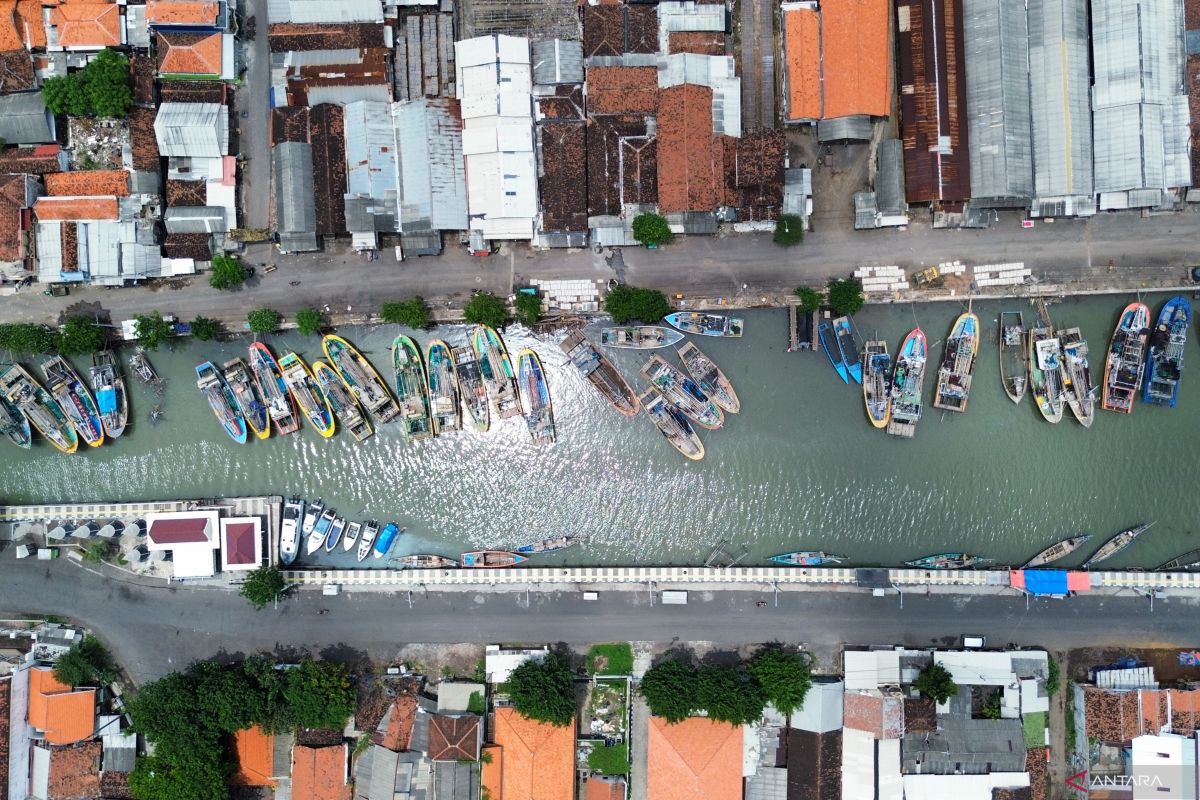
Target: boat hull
[
  {"x": 599, "y": 372},
  {"x": 310, "y": 398},
  {"x": 1014, "y": 357},
  {"x": 877, "y": 369},
  {"x": 112, "y": 395},
  {"x": 281, "y": 406},
  {"x": 221, "y": 400},
  {"x": 1077, "y": 377},
  {"x": 499, "y": 377},
  {"x": 711, "y": 380},
  {"x": 682, "y": 392},
  {"x": 14, "y": 426},
  {"x": 65, "y": 385},
  {"x": 39, "y": 408},
  {"x": 1164, "y": 361},
  {"x": 490, "y": 559},
  {"x": 673, "y": 424},
  {"x": 958, "y": 362},
  {"x": 342, "y": 402},
  {"x": 539, "y": 409},
  {"x": 806, "y": 558},
  {"x": 908, "y": 385},
  {"x": 443, "y": 388},
  {"x": 828, "y": 339},
  {"x": 408, "y": 372},
  {"x": 1125, "y": 362},
  {"x": 1057, "y": 551},
  {"x": 702, "y": 324},
  {"x": 245, "y": 392},
  {"x": 1045, "y": 374},
  {"x": 639, "y": 337},
  {"x": 849, "y": 346},
  {"x": 361, "y": 378},
  {"x": 472, "y": 388}
]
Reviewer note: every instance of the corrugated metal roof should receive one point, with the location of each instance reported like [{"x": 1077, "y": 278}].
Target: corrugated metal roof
[
  {"x": 1059, "y": 98},
  {"x": 716, "y": 72},
  {"x": 675, "y": 16},
  {"x": 889, "y": 180},
  {"x": 842, "y": 129},
  {"x": 557, "y": 61},
  {"x": 433, "y": 191},
  {"x": 370, "y": 150},
  {"x": 316, "y": 11},
  {"x": 24, "y": 119},
  {"x": 345, "y": 95},
  {"x": 797, "y": 190},
  {"x": 192, "y": 129},
  {"x": 295, "y": 214},
  {"x": 195, "y": 219}
]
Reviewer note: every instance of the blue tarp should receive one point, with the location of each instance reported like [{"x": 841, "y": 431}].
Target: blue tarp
[
  {"x": 107, "y": 400},
  {"x": 1046, "y": 581}
]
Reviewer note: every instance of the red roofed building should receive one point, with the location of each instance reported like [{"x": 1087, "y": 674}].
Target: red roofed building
[
  {"x": 605, "y": 788},
  {"x": 17, "y": 195},
  {"x": 319, "y": 773},
  {"x": 188, "y": 53},
  {"x": 61, "y": 714},
  {"x": 537, "y": 758},
  {"x": 253, "y": 751},
  {"x": 454, "y": 737},
  {"x": 687, "y": 180},
  {"x": 697, "y": 759},
  {"x": 241, "y": 543},
  {"x": 192, "y": 538},
  {"x": 90, "y": 183},
  {"x": 85, "y": 26},
  {"x": 185, "y": 13},
  {"x": 63, "y": 209}
]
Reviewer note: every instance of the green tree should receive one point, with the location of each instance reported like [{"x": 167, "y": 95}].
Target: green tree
[
  {"x": 789, "y": 230},
  {"x": 101, "y": 89},
  {"x": 86, "y": 664},
  {"x": 205, "y": 329},
  {"x": 309, "y": 321},
  {"x": 264, "y": 320},
  {"x": 26, "y": 338},
  {"x": 263, "y": 585},
  {"x": 180, "y": 774},
  {"x": 80, "y": 336},
  {"x": 784, "y": 675},
  {"x": 810, "y": 299},
  {"x": 64, "y": 94},
  {"x": 729, "y": 694},
  {"x": 652, "y": 229},
  {"x": 95, "y": 551},
  {"x": 991, "y": 708},
  {"x": 670, "y": 689},
  {"x": 227, "y": 698},
  {"x": 319, "y": 695},
  {"x": 528, "y": 309},
  {"x": 846, "y": 296},
  {"x": 936, "y": 682},
  {"x": 152, "y": 330},
  {"x": 228, "y": 272},
  {"x": 412, "y": 313},
  {"x": 627, "y": 303},
  {"x": 544, "y": 690},
  {"x": 168, "y": 712},
  {"x": 486, "y": 309}
]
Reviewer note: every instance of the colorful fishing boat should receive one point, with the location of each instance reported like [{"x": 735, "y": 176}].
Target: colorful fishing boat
[
  {"x": 308, "y": 394},
  {"x": 491, "y": 559},
  {"x": 220, "y": 399},
  {"x": 335, "y": 534},
  {"x": 499, "y": 378},
  {"x": 311, "y": 514},
  {"x": 948, "y": 561},
  {"x": 40, "y": 409},
  {"x": 850, "y": 346},
  {"x": 280, "y": 406},
  {"x": 1126, "y": 359},
  {"x": 345, "y": 408},
  {"x": 908, "y": 383},
  {"x": 13, "y": 424},
  {"x": 470, "y": 384},
  {"x": 360, "y": 377},
  {"x": 320, "y": 532},
  {"x": 443, "y": 389},
  {"x": 672, "y": 424},
  {"x": 289, "y": 530},
  {"x": 683, "y": 392},
  {"x": 1045, "y": 373},
  {"x": 353, "y": 530},
  {"x": 701, "y": 324},
  {"x": 426, "y": 562},
  {"x": 408, "y": 372},
  {"x": 1058, "y": 551},
  {"x": 877, "y": 371},
  {"x": 551, "y": 545},
  {"x": 367, "y": 543},
  {"x": 112, "y": 398},
  {"x": 807, "y": 558},
  {"x": 601, "y": 374},
  {"x": 709, "y": 377},
  {"x": 1014, "y": 355},
  {"x": 1164, "y": 363},
  {"x": 639, "y": 337},
  {"x": 1116, "y": 544},
  {"x": 65, "y": 386},
  {"x": 387, "y": 538},
  {"x": 249, "y": 401},
  {"x": 958, "y": 360},
  {"x": 539, "y": 411},
  {"x": 828, "y": 339},
  {"x": 1078, "y": 390},
  {"x": 143, "y": 370}
]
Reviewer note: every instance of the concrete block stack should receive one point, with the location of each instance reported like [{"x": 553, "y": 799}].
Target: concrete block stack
[
  {"x": 570, "y": 295},
  {"x": 1009, "y": 274},
  {"x": 881, "y": 279},
  {"x": 951, "y": 268}
]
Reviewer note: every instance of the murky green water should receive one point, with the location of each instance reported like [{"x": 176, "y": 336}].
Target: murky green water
[{"x": 800, "y": 467}]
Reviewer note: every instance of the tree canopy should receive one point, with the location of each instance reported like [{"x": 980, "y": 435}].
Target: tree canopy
[
  {"x": 652, "y": 229},
  {"x": 846, "y": 296},
  {"x": 309, "y": 321},
  {"x": 785, "y": 676},
  {"x": 227, "y": 272},
  {"x": 205, "y": 329},
  {"x": 810, "y": 299},
  {"x": 264, "y": 320},
  {"x": 263, "y": 585},
  {"x": 412, "y": 313},
  {"x": 730, "y": 694},
  {"x": 789, "y": 230},
  {"x": 152, "y": 330},
  {"x": 528, "y": 308},
  {"x": 80, "y": 336},
  {"x": 25, "y": 338},
  {"x": 627, "y": 303},
  {"x": 87, "y": 664},
  {"x": 936, "y": 682},
  {"x": 101, "y": 89},
  {"x": 319, "y": 695},
  {"x": 544, "y": 690},
  {"x": 671, "y": 689},
  {"x": 486, "y": 309}
]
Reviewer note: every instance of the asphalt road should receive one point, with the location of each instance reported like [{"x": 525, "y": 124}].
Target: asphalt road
[
  {"x": 155, "y": 630},
  {"x": 253, "y": 100}
]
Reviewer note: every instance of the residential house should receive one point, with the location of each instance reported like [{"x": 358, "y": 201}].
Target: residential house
[
  {"x": 605, "y": 787},
  {"x": 319, "y": 773},
  {"x": 499, "y": 662},
  {"x": 59, "y": 714},
  {"x": 261, "y": 759},
  {"x": 84, "y": 26},
  {"x": 241, "y": 544},
  {"x": 17, "y": 196},
  {"x": 697, "y": 759},
  {"x": 195, "y": 139},
  {"x": 192, "y": 130},
  {"x": 195, "y": 55},
  {"x": 536, "y": 760}
]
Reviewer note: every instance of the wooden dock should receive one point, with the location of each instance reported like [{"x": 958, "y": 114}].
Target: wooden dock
[{"x": 798, "y": 337}]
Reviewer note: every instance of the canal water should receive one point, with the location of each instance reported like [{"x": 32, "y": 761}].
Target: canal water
[{"x": 798, "y": 468}]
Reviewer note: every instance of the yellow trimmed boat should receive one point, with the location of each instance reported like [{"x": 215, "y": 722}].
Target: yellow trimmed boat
[
  {"x": 370, "y": 390},
  {"x": 311, "y": 399}
]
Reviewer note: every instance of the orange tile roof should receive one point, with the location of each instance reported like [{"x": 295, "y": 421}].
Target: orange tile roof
[
  {"x": 65, "y": 716},
  {"x": 605, "y": 788},
  {"x": 492, "y": 756},
  {"x": 857, "y": 64},
  {"x": 189, "y": 53},
  {"x": 802, "y": 48},
  {"x": 10, "y": 38},
  {"x": 50, "y": 209},
  {"x": 87, "y": 24},
  {"x": 92, "y": 183},
  {"x": 181, "y": 12},
  {"x": 539, "y": 759},
  {"x": 30, "y": 24},
  {"x": 254, "y": 754},
  {"x": 686, "y": 179},
  {"x": 622, "y": 90},
  {"x": 319, "y": 773},
  {"x": 698, "y": 759}
]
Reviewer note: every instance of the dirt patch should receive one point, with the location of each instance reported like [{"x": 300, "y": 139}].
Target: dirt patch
[
  {"x": 97, "y": 143},
  {"x": 438, "y": 661},
  {"x": 1165, "y": 661}
]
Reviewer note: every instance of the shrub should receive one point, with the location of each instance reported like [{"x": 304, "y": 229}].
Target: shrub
[
  {"x": 626, "y": 304},
  {"x": 262, "y": 586},
  {"x": 486, "y": 309},
  {"x": 846, "y": 296},
  {"x": 810, "y": 299},
  {"x": 476, "y": 704},
  {"x": 309, "y": 321},
  {"x": 528, "y": 308},
  {"x": 543, "y": 690},
  {"x": 152, "y": 330},
  {"x": 87, "y": 664},
  {"x": 205, "y": 329},
  {"x": 412, "y": 313},
  {"x": 1053, "y": 677},
  {"x": 80, "y": 336},
  {"x": 24, "y": 338},
  {"x": 227, "y": 272},
  {"x": 652, "y": 229},
  {"x": 789, "y": 230},
  {"x": 264, "y": 320},
  {"x": 319, "y": 695}
]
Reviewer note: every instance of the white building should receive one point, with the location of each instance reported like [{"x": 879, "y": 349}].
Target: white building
[
  {"x": 199, "y": 130},
  {"x": 1164, "y": 766},
  {"x": 191, "y": 538},
  {"x": 499, "y": 663}
]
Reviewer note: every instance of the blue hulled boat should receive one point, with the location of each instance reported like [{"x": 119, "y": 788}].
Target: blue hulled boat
[
  {"x": 829, "y": 344},
  {"x": 1164, "y": 364},
  {"x": 387, "y": 538},
  {"x": 221, "y": 401},
  {"x": 850, "y": 346},
  {"x": 807, "y": 558}
]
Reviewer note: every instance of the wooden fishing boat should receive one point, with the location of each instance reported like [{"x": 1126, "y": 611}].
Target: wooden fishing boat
[
  {"x": 639, "y": 337},
  {"x": 877, "y": 371},
  {"x": 335, "y": 534},
  {"x": 908, "y": 383},
  {"x": 828, "y": 339},
  {"x": 13, "y": 424},
  {"x": 311, "y": 514},
  {"x": 807, "y": 558},
  {"x": 320, "y": 532},
  {"x": 1184, "y": 563},
  {"x": 38, "y": 407},
  {"x": 1126, "y": 359},
  {"x": 310, "y": 398},
  {"x": 289, "y": 530},
  {"x": 850, "y": 346},
  {"x": 351, "y": 538},
  {"x": 345, "y": 408},
  {"x": 143, "y": 370},
  {"x": 958, "y": 360},
  {"x": 1078, "y": 390},
  {"x": 1164, "y": 362},
  {"x": 1045, "y": 373},
  {"x": 249, "y": 401},
  {"x": 499, "y": 377},
  {"x": 65, "y": 386},
  {"x": 112, "y": 398},
  {"x": 443, "y": 389},
  {"x": 539, "y": 411},
  {"x": 673, "y": 424},
  {"x": 426, "y": 562},
  {"x": 386, "y": 540},
  {"x": 702, "y": 324},
  {"x": 711, "y": 380},
  {"x": 360, "y": 377},
  {"x": 601, "y": 374},
  {"x": 1116, "y": 544},
  {"x": 1014, "y": 355},
  {"x": 551, "y": 545},
  {"x": 411, "y": 388},
  {"x": 948, "y": 561},
  {"x": 490, "y": 559},
  {"x": 682, "y": 392},
  {"x": 367, "y": 543},
  {"x": 470, "y": 384},
  {"x": 281, "y": 407},
  {"x": 1057, "y": 551},
  {"x": 220, "y": 399}
]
